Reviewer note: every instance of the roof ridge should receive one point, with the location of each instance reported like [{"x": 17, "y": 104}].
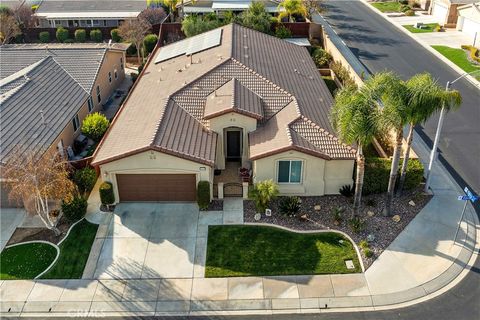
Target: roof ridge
[
  {"x": 69, "y": 74},
  {"x": 159, "y": 122},
  {"x": 22, "y": 72}
]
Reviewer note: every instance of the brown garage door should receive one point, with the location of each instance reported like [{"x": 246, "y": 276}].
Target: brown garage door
[{"x": 156, "y": 187}]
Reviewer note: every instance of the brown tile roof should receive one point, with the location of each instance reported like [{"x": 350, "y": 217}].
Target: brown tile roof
[{"x": 250, "y": 73}]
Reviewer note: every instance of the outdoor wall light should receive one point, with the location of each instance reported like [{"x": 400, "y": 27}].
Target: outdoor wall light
[{"x": 202, "y": 168}]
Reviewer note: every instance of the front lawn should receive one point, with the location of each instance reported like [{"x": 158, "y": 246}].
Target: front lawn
[
  {"x": 391, "y": 6},
  {"x": 459, "y": 57},
  {"x": 263, "y": 251},
  {"x": 26, "y": 261},
  {"x": 427, "y": 27},
  {"x": 74, "y": 252}
]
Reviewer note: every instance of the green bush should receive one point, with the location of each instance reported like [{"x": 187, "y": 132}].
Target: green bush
[
  {"x": 363, "y": 245},
  {"x": 356, "y": 224},
  {"x": 321, "y": 57},
  {"x": 203, "y": 194},
  {"x": 75, "y": 209},
  {"x": 337, "y": 214},
  {"x": 85, "y": 179},
  {"x": 193, "y": 24},
  {"x": 106, "y": 193},
  {"x": 44, "y": 37},
  {"x": 95, "y": 125},
  {"x": 149, "y": 42},
  {"x": 343, "y": 74},
  {"x": 115, "y": 35},
  {"x": 410, "y": 13},
  {"x": 262, "y": 193},
  {"x": 290, "y": 206},
  {"x": 69, "y": 41},
  {"x": 377, "y": 172},
  {"x": 61, "y": 34},
  {"x": 96, "y": 35},
  {"x": 80, "y": 35},
  {"x": 367, "y": 252},
  {"x": 131, "y": 50},
  {"x": 282, "y": 32}
]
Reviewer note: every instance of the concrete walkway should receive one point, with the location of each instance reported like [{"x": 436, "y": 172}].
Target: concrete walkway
[{"x": 10, "y": 219}]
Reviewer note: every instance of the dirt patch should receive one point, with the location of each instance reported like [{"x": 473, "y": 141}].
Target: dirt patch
[
  {"x": 384, "y": 229},
  {"x": 32, "y": 234}
]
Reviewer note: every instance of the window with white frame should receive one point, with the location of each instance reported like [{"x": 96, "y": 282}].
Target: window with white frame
[
  {"x": 115, "y": 73},
  {"x": 289, "y": 171},
  {"x": 76, "y": 123},
  {"x": 99, "y": 98},
  {"x": 109, "y": 77},
  {"x": 90, "y": 104}
]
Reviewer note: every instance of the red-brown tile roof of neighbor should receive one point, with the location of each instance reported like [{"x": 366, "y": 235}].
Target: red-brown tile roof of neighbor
[{"x": 254, "y": 74}]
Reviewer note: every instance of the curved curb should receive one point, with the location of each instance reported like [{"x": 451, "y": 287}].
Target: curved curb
[
  {"x": 39, "y": 241},
  {"x": 312, "y": 231}
]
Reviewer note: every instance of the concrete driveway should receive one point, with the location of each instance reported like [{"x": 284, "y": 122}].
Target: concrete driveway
[{"x": 150, "y": 240}]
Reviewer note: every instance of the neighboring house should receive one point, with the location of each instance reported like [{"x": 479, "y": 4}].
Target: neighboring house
[
  {"x": 446, "y": 11},
  {"x": 47, "y": 90},
  {"x": 219, "y": 6},
  {"x": 229, "y": 96},
  {"x": 87, "y": 13},
  {"x": 469, "y": 19}
]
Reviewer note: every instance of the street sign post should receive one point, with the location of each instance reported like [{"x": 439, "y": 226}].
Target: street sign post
[{"x": 469, "y": 196}]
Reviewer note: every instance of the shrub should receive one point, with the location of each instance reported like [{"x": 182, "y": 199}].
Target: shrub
[
  {"x": 69, "y": 41},
  {"x": 85, "y": 179},
  {"x": 106, "y": 193},
  {"x": 75, "y": 209},
  {"x": 94, "y": 126},
  {"x": 363, "y": 245},
  {"x": 149, "y": 42},
  {"x": 132, "y": 50},
  {"x": 61, "y": 34},
  {"x": 473, "y": 51},
  {"x": 347, "y": 191},
  {"x": 337, "y": 214},
  {"x": 321, "y": 57},
  {"x": 115, "y": 36},
  {"x": 377, "y": 172},
  {"x": 290, "y": 206},
  {"x": 367, "y": 252},
  {"x": 343, "y": 74},
  {"x": 282, "y": 32},
  {"x": 410, "y": 13},
  {"x": 203, "y": 194},
  {"x": 356, "y": 224},
  {"x": 96, "y": 35},
  {"x": 44, "y": 37},
  {"x": 80, "y": 35},
  {"x": 262, "y": 193},
  {"x": 193, "y": 25}
]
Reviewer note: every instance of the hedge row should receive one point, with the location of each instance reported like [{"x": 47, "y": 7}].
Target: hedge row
[
  {"x": 63, "y": 34},
  {"x": 377, "y": 173}
]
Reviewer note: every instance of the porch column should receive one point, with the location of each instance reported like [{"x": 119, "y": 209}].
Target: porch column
[
  {"x": 220, "y": 190},
  {"x": 245, "y": 190}
]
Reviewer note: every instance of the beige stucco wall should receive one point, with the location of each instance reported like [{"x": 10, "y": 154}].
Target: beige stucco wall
[
  {"x": 218, "y": 124},
  {"x": 154, "y": 162},
  {"x": 319, "y": 176}
]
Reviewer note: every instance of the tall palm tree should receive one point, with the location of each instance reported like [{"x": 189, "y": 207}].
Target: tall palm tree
[
  {"x": 291, "y": 7},
  {"x": 355, "y": 118},
  {"x": 172, "y": 6},
  {"x": 425, "y": 97}
]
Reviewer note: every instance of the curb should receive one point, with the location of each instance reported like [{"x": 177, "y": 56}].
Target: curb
[{"x": 437, "y": 54}]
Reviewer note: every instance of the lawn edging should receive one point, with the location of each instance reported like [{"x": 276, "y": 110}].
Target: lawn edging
[
  {"x": 39, "y": 241},
  {"x": 437, "y": 54},
  {"x": 357, "y": 250}
]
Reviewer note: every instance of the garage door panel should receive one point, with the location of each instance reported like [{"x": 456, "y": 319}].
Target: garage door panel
[{"x": 156, "y": 187}]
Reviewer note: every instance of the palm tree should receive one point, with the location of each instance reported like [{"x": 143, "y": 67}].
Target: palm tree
[
  {"x": 425, "y": 97},
  {"x": 291, "y": 7},
  {"x": 172, "y": 6},
  {"x": 355, "y": 118}
]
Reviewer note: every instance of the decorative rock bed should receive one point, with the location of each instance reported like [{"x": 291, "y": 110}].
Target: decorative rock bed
[{"x": 317, "y": 213}]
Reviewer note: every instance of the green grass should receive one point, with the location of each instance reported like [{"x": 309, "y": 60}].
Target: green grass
[
  {"x": 26, "y": 261},
  {"x": 427, "y": 27},
  {"x": 391, "y": 6},
  {"x": 332, "y": 86},
  {"x": 74, "y": 252},
  {"x": 261, "y": 251},
  {"x": 459, "y": 57}
]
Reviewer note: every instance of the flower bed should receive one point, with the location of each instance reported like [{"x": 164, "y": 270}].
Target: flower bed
[{"x": 385, "y": 229}]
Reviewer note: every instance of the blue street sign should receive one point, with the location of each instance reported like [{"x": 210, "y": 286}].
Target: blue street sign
[
  {"x": 463, "y": 198},
  {"x": 467, "y": 192},
  {"x": 470, "y": 196}
]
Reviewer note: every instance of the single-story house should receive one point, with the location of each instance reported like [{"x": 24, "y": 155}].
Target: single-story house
[
  {"x": 229, "y": 96},
  {"x": 469, "y": 19},
  {"x": 47, "y": 90},
  {"x": 446, "y": 11},
  {"x": 87, "y": 13},
  {"x": 220, "y": 6}
]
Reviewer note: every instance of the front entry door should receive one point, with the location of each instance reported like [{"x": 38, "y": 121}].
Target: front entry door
[{"x": 233, "y": 145}]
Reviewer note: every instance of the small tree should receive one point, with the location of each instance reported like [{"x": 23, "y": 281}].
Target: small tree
[
  {"x": 85, "y": 179},
  {"x": 106, "y": 193},
  {"x": 153, "y": 15},
  {"x": 264, "y": 192},
  {"x": 61, "y": 34},
  {"x": 203, "y": 194},
  {"x": 38, "y": 181},
  {"x": 134, "y": 31},
  {"x": 149, "y": 42},
  {"x": 291, "y": 8},
  {"x": 24, "y": 15},
  {"x": 80, "y": 35},
  {"x": 44, "y": 37},
  {"x": 282, "y": 32},
  {"x": 8, "y": 28},
  {"x": 256, "y": 17},
  {"x": 95, "y": 125},
  {"x": 115, "y": 36},
  {"x": 96, "y": 35},
  {"x": 172, "y": 8},
  {"x": 193, "y": 25}
]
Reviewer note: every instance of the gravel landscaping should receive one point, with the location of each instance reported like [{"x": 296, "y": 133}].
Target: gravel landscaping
[{"x": 384, "y": 229}]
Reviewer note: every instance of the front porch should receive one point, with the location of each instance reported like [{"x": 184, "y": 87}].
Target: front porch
[{"x": 233, "y": 181}]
